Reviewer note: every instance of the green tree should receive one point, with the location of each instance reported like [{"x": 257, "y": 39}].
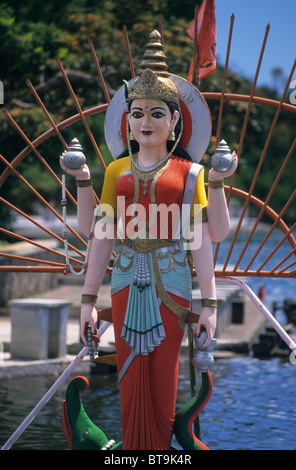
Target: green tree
[{"x": 34, "y": 33}]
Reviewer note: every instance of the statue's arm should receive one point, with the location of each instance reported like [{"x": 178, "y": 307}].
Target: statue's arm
[
  {"x": 85, "y": 196},
  {"x": 217, "y": 209},
  {"x": 202, "y": 256}
]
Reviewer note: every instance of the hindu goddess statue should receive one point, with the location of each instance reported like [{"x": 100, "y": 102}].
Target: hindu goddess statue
[{"x": 155, "y": 190}]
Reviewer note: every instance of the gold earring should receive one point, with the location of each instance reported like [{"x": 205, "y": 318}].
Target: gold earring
[
  {"x": 172, "y": 136},
  {"x": 131, "y": 136}
]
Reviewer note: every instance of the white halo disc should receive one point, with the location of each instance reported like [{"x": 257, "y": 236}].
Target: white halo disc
[{"x": 201, "y": 123}]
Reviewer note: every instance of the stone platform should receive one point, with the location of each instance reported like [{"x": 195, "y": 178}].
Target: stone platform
[{"x": 232, "y": 338}]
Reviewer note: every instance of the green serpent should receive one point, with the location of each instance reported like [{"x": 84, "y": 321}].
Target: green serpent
[{"x": 83, "y": 434}]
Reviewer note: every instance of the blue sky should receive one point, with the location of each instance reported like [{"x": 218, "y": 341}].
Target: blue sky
[{"x": 251, "y": 19}]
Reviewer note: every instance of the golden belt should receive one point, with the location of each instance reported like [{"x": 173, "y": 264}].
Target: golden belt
[{"x": 148, "y": 246}]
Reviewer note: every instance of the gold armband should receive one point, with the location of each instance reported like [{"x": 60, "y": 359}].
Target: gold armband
[
  {"x": 89, "y": 299},
  {"x": 84, "y": 183},
  {"x": 195, "y": 219},
  {"x": 216, "y": 184},
  {"x": 204, "y": 215},
  {"x": 211, "y": 303}
]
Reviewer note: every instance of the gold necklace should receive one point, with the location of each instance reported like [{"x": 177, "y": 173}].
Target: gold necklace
[{"x": 146, "y": 175}]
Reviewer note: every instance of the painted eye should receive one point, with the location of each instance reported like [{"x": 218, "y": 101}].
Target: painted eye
[
  {"x": 85, "y": 434},
  {"x": 137, "y": 114},
  {"x": 157, "y": 114}
]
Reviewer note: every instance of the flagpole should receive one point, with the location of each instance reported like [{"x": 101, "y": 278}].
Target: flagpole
[
  {"x": 195, "y": 73},
  {"x": 160, "y": 23},
  {"x": 202, "y": 31}
]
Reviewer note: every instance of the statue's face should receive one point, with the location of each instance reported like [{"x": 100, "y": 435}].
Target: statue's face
[{"x": 151, "y": 121}]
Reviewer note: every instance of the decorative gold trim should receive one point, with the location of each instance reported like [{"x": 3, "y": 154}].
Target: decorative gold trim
[
  {"x": 146, "y": 245},
  {"x": 117, "y": 262},
  {"x": 84, "y": 183},
  {"x": 154, "y": 81},
  {"x": 89, "y": 299},
  {"x": 150, "y": 86},
  {"x": 216, "y": 184},
  {"x": 150, "y": 245},
  {"x": 146, "y": 175},
  {"x": 177, "y": 309},
  {"x": 172, "y": 261},
  {"x": 211, "y": 303},
  {"x": 196, "y": 219},
  {"x": 204, "y": 215},
  {"x": 172, "y": 136},
  {"x": 156, "y": 178}
]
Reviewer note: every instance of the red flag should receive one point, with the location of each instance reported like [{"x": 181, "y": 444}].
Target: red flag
[{"x": 206, "y": 39}]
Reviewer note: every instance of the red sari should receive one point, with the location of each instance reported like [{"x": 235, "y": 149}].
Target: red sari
[
  {"x": 148, "y": 389},
  {"x": 148, "y": 386}
]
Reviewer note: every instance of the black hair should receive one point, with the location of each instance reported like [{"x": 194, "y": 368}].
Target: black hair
[{"x": 179, "y": 152}]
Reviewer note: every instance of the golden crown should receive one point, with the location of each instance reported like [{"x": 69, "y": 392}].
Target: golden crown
[{"x": 153, "y": 81}]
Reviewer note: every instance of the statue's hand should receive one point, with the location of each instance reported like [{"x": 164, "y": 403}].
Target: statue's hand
[
  {"x": 207, "y": 320},
  {"x": 89, "y": 315},
  {"x": 220, "y": 175},
  {"x": 82, "y": 173}
]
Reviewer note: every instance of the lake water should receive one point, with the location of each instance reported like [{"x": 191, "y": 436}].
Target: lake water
[
  {"x": 252, "y": 405},
  {"x": 276, "y": 289}
]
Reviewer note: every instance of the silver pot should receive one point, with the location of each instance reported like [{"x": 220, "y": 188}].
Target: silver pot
[
  {"x": 74, "y": 158},
  {"x": 222, "y": 158},
  {"x": 203, "y": 359}
]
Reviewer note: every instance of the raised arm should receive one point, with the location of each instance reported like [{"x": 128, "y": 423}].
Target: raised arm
[
  {"x": 217, "y": 209},
  {"x": 85, "y": 205},
  {"x": 85, "y": 197}
]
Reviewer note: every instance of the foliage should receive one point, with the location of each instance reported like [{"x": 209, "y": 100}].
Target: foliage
[{"x": 34, "y": 33}]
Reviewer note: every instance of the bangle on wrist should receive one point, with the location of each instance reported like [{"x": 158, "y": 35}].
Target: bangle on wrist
[
  {"x": 216, "y": 184},
  {"x": 84, "y": 183},
  {"x": 89, "y": 299},
  {"x": 211, "y": 303}
]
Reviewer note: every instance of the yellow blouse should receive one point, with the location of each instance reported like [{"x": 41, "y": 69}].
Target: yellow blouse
[{"x": 117, "y": 168}]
